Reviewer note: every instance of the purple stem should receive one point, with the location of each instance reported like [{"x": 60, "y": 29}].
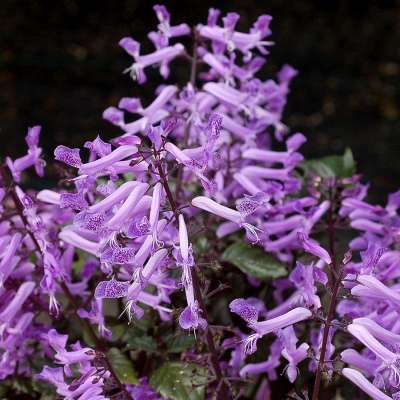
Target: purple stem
[{"x": 337, "y": 281}]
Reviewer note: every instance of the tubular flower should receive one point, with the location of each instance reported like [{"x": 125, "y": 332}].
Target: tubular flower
[
  {"x": 162, "y": 56},
  {"x": 224, "y": 212},
  {"x": 311, "y": 246},
  {"x": 190, "y": 316},
  {"x": 293, "y": 354},
  {"x": 32, "y": 158},
  {"x": 263, "y": 328},
  {"x": 390, "y": 360},
  {"x": 364, "y": 384}
]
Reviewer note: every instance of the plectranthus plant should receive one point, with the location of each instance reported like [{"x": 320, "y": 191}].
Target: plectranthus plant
[{"x": 197, "y": 255}]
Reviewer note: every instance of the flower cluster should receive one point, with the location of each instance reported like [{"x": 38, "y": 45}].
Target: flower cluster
[{"x": 141, "y": 235}]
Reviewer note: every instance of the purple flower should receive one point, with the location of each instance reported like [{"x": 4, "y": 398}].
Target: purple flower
[
  {"x": 190, "y": 317},
  {"x": 269, "y": 366},
  {"x": 128, "y": 207},
  {"x": 68, "y": 156},
  {"x": 9, "y": 260},
  {"x": 143, "y": 278},
  {"x": 364, "y": 384},
  {"x": 32, "y": 158},
  {"x": 245, "y": 310},
  {"x": 305, "y": 278},
  {"x": 111, "y": 289},
  {"x": 78, "y": 241},
  {"x": 98, "y": 148},
  {"x": 163, "y": 56},
  {"x": 262, "y": 328},
  {"x": 293, "y": 354},
  {"x": 75, "y": 201},
  {"x": 9, "y": 312},
  {"x": 213, "y": 207},
  {"x": 312, "y": 247},
  {"x": 108, "y": 160},
  {"x": 165, "y": 30}
]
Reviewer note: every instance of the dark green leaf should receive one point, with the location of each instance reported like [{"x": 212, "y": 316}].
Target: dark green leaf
[
  {"x": 332, "y": 166},
  {"x": 180, "y": 381},
  {"x": 122, "y": 366},
  {"x": 142, "y": 342},
  {"x": 180, "y": 343},
  {"x": 201, "y": 245},
  {"x": 118, "y": 331},
  {"x": 22, "y": 385},
  {"x": 254, "y": 261},
  {"x": 78, "y": 264}
]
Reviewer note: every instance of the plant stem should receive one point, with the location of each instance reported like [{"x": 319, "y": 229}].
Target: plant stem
[
  {"x": 99, "y": 345},
  {"x": 328, "y": 322},
  {"x": 223, "y": 392},
  {"x": 337, "y": 281}
]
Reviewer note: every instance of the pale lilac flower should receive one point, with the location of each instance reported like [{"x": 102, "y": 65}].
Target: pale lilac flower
[
  {"x": 147, "y": 246},
  {"x": 111, "y": 289},
  {"x": 162, "y": 56},
  {"x": 377, "y": 288},
  {"x": 305, "y": 278},
  {"x": 364, "y": 384},
  {"x": 213, "y": 207},
  {"x": 76, "y": 240},
  {"x": 9, "y": 260},
  {"x": 48, "y": 196},
  {"x": 364, "y": 363},
  {"x": 165, "y": 30},
  {"x": 244, "y": 309},
  {"x": 68, "y": 156},
  {"x": 98, "y": 148},
  {"x": 269, "y": 366},
  {"x": 76, "y": 201},
  {"x": 293, "y": 354},
  {"x": 32, "y": 158},
  {"x": 114, "y": 198},
  {"x": 156, "y": 203},
  {"x": 377, "y": 330},
  {"x": 311, "y": 246},
  {"x": 108, "y": 160},
  {"x": 263, "y": 328},
  {"x": 143, "y": 278},
  {"x": 96, "y": 316},
  {"x": 128, "y": 207},
  {"x": 232, "y": 39},
  {"x": 390, "y": 360},
  {"x": 190, "y": 317},
  {"x": 10, "y": 311},
  {"x": 115, "y": 116}
]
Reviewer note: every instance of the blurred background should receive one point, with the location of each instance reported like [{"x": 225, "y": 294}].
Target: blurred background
[{"x": 60, "y": 66}]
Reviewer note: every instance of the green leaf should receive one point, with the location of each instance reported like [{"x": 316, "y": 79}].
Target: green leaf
[
  {"x": 146, "y": 343},
  {"x": 22, "y": 385},
  {"x": 122, "y": 366},
  {"x": 349, "y": 164},
  {"x": 254, "y": 261},
  {"x": 180, "y": 343},
  {"x": 180, "y": 381},
  {"x": 79, "y": 262},
  {"x": 201, "y": 245},
  {"x": 332, "y": 166},
  {"x": 117, "y": 331}
]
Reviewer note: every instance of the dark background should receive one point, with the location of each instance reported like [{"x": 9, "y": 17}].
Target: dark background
[{"x": 60, "y": 66}]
